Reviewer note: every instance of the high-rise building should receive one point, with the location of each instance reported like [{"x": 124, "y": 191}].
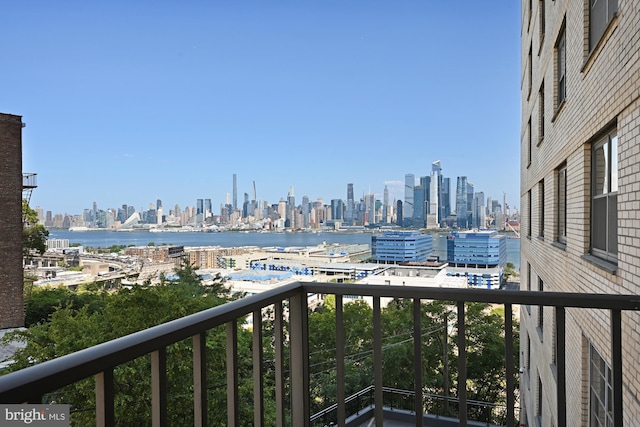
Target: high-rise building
[
  {"x": 385, "y": 205},
  {"x": 235, "y": 192},
  {"x": 291, "y": 210},
  {"x": 409, "y": 183},
  {"x": 470, "y": 195},
  {"x": 436, "y": 197},
  {"x": 446, "y": 197},
  {"x": 399, "y": 213},
  {"x": 337, "y": 206},
  {"x": 306, "y": 212},
  {"x": 419, "y": 217},
  {"x": 11, "y": 296},
  {"x": 351, "y": 204},
  {"x": 479, "y": 210},
  {"x": 579, "y": 200},
  {"x": 425, "y": 183},
  {"x": 200, "y": 207},
  {"x": 461, "y": 202}
]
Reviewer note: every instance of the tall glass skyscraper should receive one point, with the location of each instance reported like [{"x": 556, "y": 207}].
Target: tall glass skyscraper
[
  {"x": 461, "y": 202},
  {"x": 350, "y": 211},
  {"x": 436, "y": 197},
  {"x": 409, "y": 184}
]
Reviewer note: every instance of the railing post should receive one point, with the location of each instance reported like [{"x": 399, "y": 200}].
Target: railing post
[
  {"x": 377, "y": 362},
  {"x": 299, "y": 369},
  {"x": 561, "y": 367},
  {"x": 340, "y": 393},
  {"x": 233, "y": 418},
  {"x": 159, "y": 388},
  {"x": 616, "y": 365},
  {"x": 508, "y": 357},
  {"x": 200, "y": 379},
  {"x": 462, "y": 366},
  {"x": 279, "y": 360},
  {"x": 258, "y": 382},
  {"x": 104, "y": 398},
  {"x": 417, "y": 361}
]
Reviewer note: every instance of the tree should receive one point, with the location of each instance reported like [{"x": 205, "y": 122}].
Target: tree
[
  {"x": 509, "y": 270},
  {"x": 34, "y": 235},
  {"x": 62, "y": 327}
]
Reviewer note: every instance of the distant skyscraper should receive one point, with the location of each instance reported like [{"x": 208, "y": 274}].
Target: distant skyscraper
[
  {"x": 199, "y": 206},
  {"x": 479, "y": 210},
  {"x": 470, "y": 193},
  {"x": 446, "y": 197},
  {"x": 437, "y": 170},
  {"x": 418, "y": 207},
  {"x": 409, "y": 183},
  {"x": 337, "y": 207},
  {"x": 425, "y": 183},
  {"x": 399, "y": 213},
  {"x": 461, "y": 202},
  {"x": 370, "y": 207},
  {"x": 291, "y": 209},
  {"x": 385, "y": 205},
  {"x": 350, "y": 212},
  {"x": 306, "y": 212},
  {"x": 158, "y": 204},
  {"x": 235, "y": 192},
  {"x": 436, "y": 212}
]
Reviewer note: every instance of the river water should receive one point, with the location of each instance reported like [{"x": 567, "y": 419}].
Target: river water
[{"x": 236, "y": 239}]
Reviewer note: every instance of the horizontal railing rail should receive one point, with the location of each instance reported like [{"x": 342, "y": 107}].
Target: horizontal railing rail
[{"x": 30, "y": 384}]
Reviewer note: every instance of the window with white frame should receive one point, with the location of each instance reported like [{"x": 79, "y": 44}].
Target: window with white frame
[
  {"x": 604, "y": 198},
  {"x": 561, "y": 196},
  {"x": 600, "y": 390},
  {"x": 541, "y": 208},
  {"x": 541, "y": 113}
]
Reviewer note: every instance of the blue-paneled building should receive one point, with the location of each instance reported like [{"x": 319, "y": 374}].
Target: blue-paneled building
[
  {"x": 395, "y": 247},
  {"x": 477, "y": 249}
]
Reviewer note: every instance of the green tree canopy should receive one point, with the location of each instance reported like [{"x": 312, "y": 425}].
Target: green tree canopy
[
  {"x": 34, "y": 235},
  {"x": 64, "y": 321}
]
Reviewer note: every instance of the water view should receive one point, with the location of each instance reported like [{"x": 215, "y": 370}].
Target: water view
[{"x": 238, "y": 239}]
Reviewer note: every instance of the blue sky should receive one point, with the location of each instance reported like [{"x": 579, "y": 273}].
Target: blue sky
[{"x": 126, "y": 102}]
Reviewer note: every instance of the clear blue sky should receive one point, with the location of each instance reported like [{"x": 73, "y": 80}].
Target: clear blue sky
[{"x": 126, "y": 102}]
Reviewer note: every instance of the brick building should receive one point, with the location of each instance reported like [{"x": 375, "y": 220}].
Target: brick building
[
  {"x": 11, "y": 297},
  {"x": 580, "y": 193}
]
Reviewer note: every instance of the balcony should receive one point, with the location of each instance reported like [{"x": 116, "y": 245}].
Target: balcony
[{"x": 288, "y": 307}]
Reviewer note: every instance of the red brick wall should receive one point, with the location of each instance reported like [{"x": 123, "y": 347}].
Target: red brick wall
[{"x": 11, "y": 297}]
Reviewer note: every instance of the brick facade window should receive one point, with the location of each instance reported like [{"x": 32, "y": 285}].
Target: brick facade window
[
  {"x": 600, "y": 390},
  {"x": 541, "y": 209},
  {"x": 604, "y": 198},
  {"x": 601, "y": 12},
  {"x": 561, "y": 67},
  {"x": 561, "y": 203}
]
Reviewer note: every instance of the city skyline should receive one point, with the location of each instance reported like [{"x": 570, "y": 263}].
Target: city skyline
[
  {"x": 124, "y": 103},
  {"x": 327, "y": 201}
]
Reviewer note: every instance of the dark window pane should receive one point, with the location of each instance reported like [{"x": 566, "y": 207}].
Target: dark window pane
[
  {"x": 562, "y": 205},
  {"x": 599, "y": 223},
  {"x": 613, "y": 225}
]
